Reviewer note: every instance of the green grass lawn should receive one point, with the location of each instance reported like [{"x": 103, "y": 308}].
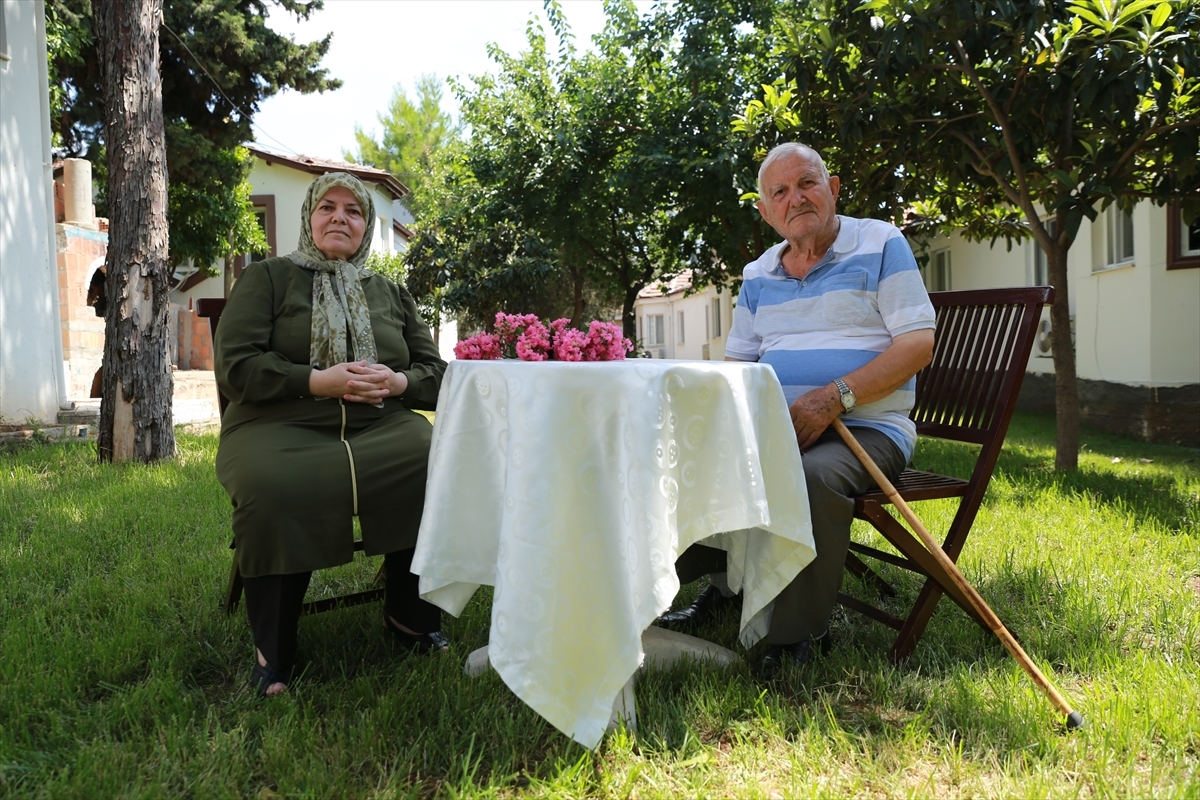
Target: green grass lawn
[{"x": 120, "y": 677}]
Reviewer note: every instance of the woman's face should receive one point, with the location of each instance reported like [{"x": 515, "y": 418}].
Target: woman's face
[{"x": 338, "y": 224}]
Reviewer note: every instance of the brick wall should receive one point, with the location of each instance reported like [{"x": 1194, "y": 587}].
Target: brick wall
[
  {"x": 195, "y": 341},
  {"x": 82, "y": 331}
]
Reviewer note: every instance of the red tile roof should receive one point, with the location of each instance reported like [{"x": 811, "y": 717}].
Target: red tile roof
[
  {"x": 680, "y": 283},
  {"x": 319, "y": 166}
]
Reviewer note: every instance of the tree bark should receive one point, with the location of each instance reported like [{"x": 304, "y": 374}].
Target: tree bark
[
  {"x": 628, "y": 315},
  {"x": 135, "y": 416},
  {"x": 228, "y": 267},
  {"x": 1066, "y": 387}
]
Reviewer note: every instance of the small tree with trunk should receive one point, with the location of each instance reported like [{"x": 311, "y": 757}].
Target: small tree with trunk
[
  {"x": 135, "y": 419},
  {"x": 997, "y": 119}
]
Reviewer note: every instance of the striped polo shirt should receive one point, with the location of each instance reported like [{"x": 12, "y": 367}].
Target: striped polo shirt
[{"x": 866, "y": 290}]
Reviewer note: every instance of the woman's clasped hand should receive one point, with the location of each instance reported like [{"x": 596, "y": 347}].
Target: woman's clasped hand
[{"x": 357, "y": 382}]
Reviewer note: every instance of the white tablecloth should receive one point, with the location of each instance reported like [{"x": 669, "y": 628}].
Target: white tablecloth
[{"x": 572, "y": 487}]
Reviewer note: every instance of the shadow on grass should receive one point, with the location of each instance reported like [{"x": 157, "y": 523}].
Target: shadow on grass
[
  {"x": 1136, "y": 483},
  {"x": 856, "y": 691}
]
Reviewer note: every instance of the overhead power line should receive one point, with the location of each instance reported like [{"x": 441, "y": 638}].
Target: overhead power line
[{"x": 208, "y": 75}]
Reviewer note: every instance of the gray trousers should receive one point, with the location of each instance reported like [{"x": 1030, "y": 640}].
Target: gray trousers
[{"x": 834, "y": 477}]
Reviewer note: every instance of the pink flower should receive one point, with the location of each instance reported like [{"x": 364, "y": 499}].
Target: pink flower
[
  {"x": 509, "y": 328},
  {"x": 526, "y": 337},
  {"x": 533, "y": 343},
  {"x": 480, "y": 347},
  {"x": 569, "y": 343},
  {"x": 605, "y": 342}
]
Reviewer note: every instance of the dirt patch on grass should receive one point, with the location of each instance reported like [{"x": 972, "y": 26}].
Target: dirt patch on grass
[{"x": 1194, "y": 584}]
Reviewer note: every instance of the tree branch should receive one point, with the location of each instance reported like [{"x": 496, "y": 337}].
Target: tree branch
[
  {"x": 1024, "y": 201},
  {"x": 987, "y": 169},
  {"x": 1141, "y": 140}
]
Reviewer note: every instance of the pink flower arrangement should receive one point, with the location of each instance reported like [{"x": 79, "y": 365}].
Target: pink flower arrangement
[
  {"x": 483, "y": 347},
  {"x": 526, "y": 337}
]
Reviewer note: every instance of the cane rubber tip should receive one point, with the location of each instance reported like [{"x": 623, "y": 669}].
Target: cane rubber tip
[{"x": 1074, "y": 721}]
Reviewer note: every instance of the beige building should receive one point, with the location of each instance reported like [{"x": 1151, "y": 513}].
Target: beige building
[
  {"x": 674, "y": 322},
  {"x": 1134, "y": 294}
]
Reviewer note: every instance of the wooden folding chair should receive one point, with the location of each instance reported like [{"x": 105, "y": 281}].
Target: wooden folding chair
[
  {"x": 966, "y": 394},
  {"x": 211, "y": 307}
]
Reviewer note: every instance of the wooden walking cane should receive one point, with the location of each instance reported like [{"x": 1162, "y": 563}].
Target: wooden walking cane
[{"x": 1074, "y": 718}]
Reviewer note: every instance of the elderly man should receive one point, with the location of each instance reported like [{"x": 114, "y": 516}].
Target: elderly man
[{"x": 839, "y": 310}]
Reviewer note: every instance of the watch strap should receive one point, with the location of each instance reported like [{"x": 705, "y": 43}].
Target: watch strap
[{"x": 843, "y": 390}]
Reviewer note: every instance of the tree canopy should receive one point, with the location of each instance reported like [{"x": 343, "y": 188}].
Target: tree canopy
[
  {"x": 589, "y": 175},
  {"x": 1014, "y": 119},
  {"x": 219, "y": 61},
  {"x": 413, "y": 135}
]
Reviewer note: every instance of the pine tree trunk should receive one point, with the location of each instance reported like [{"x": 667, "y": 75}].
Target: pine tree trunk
[
  {"x": 1066, "y": 389},
  {"x": 135, "y": 417}
]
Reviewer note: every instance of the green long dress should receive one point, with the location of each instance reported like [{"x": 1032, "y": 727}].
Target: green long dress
[{"x": 297, "y": 468}]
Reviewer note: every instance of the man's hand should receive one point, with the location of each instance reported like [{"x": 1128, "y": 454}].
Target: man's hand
[
  {"x": 813, "y": 412},
  {"x": 357, "y": 382}
]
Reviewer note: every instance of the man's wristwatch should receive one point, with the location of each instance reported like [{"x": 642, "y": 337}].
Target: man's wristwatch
[{"x": 849, "y": 401}]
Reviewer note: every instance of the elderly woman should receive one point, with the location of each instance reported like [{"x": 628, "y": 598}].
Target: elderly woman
[{"x": 323, "y": 362}]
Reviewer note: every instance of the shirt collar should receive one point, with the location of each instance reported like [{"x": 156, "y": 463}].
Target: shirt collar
[{"x": 845, "y": 243}]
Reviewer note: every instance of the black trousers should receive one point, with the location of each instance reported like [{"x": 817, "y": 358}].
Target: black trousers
[{"x": 274, "y": 603}]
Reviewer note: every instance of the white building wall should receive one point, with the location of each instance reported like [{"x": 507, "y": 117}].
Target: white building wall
[
  {"x": 699, "y": 341},
  {"x": 31, "y": 359},
  {"x": 1136, "y": 324}
]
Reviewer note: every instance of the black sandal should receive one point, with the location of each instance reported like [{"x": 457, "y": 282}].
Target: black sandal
[
  {"x": 264, "y": 676},
  {"x": 432, "y": 642}
]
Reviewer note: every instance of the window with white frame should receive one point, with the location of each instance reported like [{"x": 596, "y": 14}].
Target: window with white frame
[
  {"x": 1189, "y": 241},
  {"x": 937, "y": 272},
  {"x": 714, "y": 315},
  {"x": 681, "y": 337},
  {"x": 1041, "y": 267},
  {"x": 1118, "y": 236},
  {"x": 1183, "y": 239},
  {"x": 653, "y": 330},
  {"x": 385, "y": 235}
]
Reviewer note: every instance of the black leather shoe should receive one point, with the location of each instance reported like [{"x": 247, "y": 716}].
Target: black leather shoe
[
  {"x": 432, "y": 642},
  {"x": 798, "y": 654},
  {"x": 702, "y": 609}
]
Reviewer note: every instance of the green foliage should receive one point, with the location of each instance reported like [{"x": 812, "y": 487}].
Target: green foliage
[
  {"x": 219, "y": 61},
  {"x": 590, "y": 175},
  {"x": 990, "y": 112},
  {"x": 413, "y": 135},
  {"x": 389, "y": 265},
  {"x": 121, "y": 676},
  {"x": 987, "y": 116},
  {"x": 209, "y": 207}
]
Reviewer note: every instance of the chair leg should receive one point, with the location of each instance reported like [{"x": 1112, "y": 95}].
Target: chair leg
[
  {"x": 931, "y": 593},
  {"x": 860, "y": 570},
  {"x": 918, "y": 618},
  {"x": 233, "y": 594}
]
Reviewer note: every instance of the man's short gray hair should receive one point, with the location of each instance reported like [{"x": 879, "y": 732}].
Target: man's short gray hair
[{"x": 790, "y": 149}]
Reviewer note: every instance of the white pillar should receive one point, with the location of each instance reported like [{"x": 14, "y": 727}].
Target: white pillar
[{"x": 77, "y": 205}]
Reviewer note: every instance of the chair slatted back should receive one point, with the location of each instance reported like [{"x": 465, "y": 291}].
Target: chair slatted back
[{"x": 968, "y": 391}]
